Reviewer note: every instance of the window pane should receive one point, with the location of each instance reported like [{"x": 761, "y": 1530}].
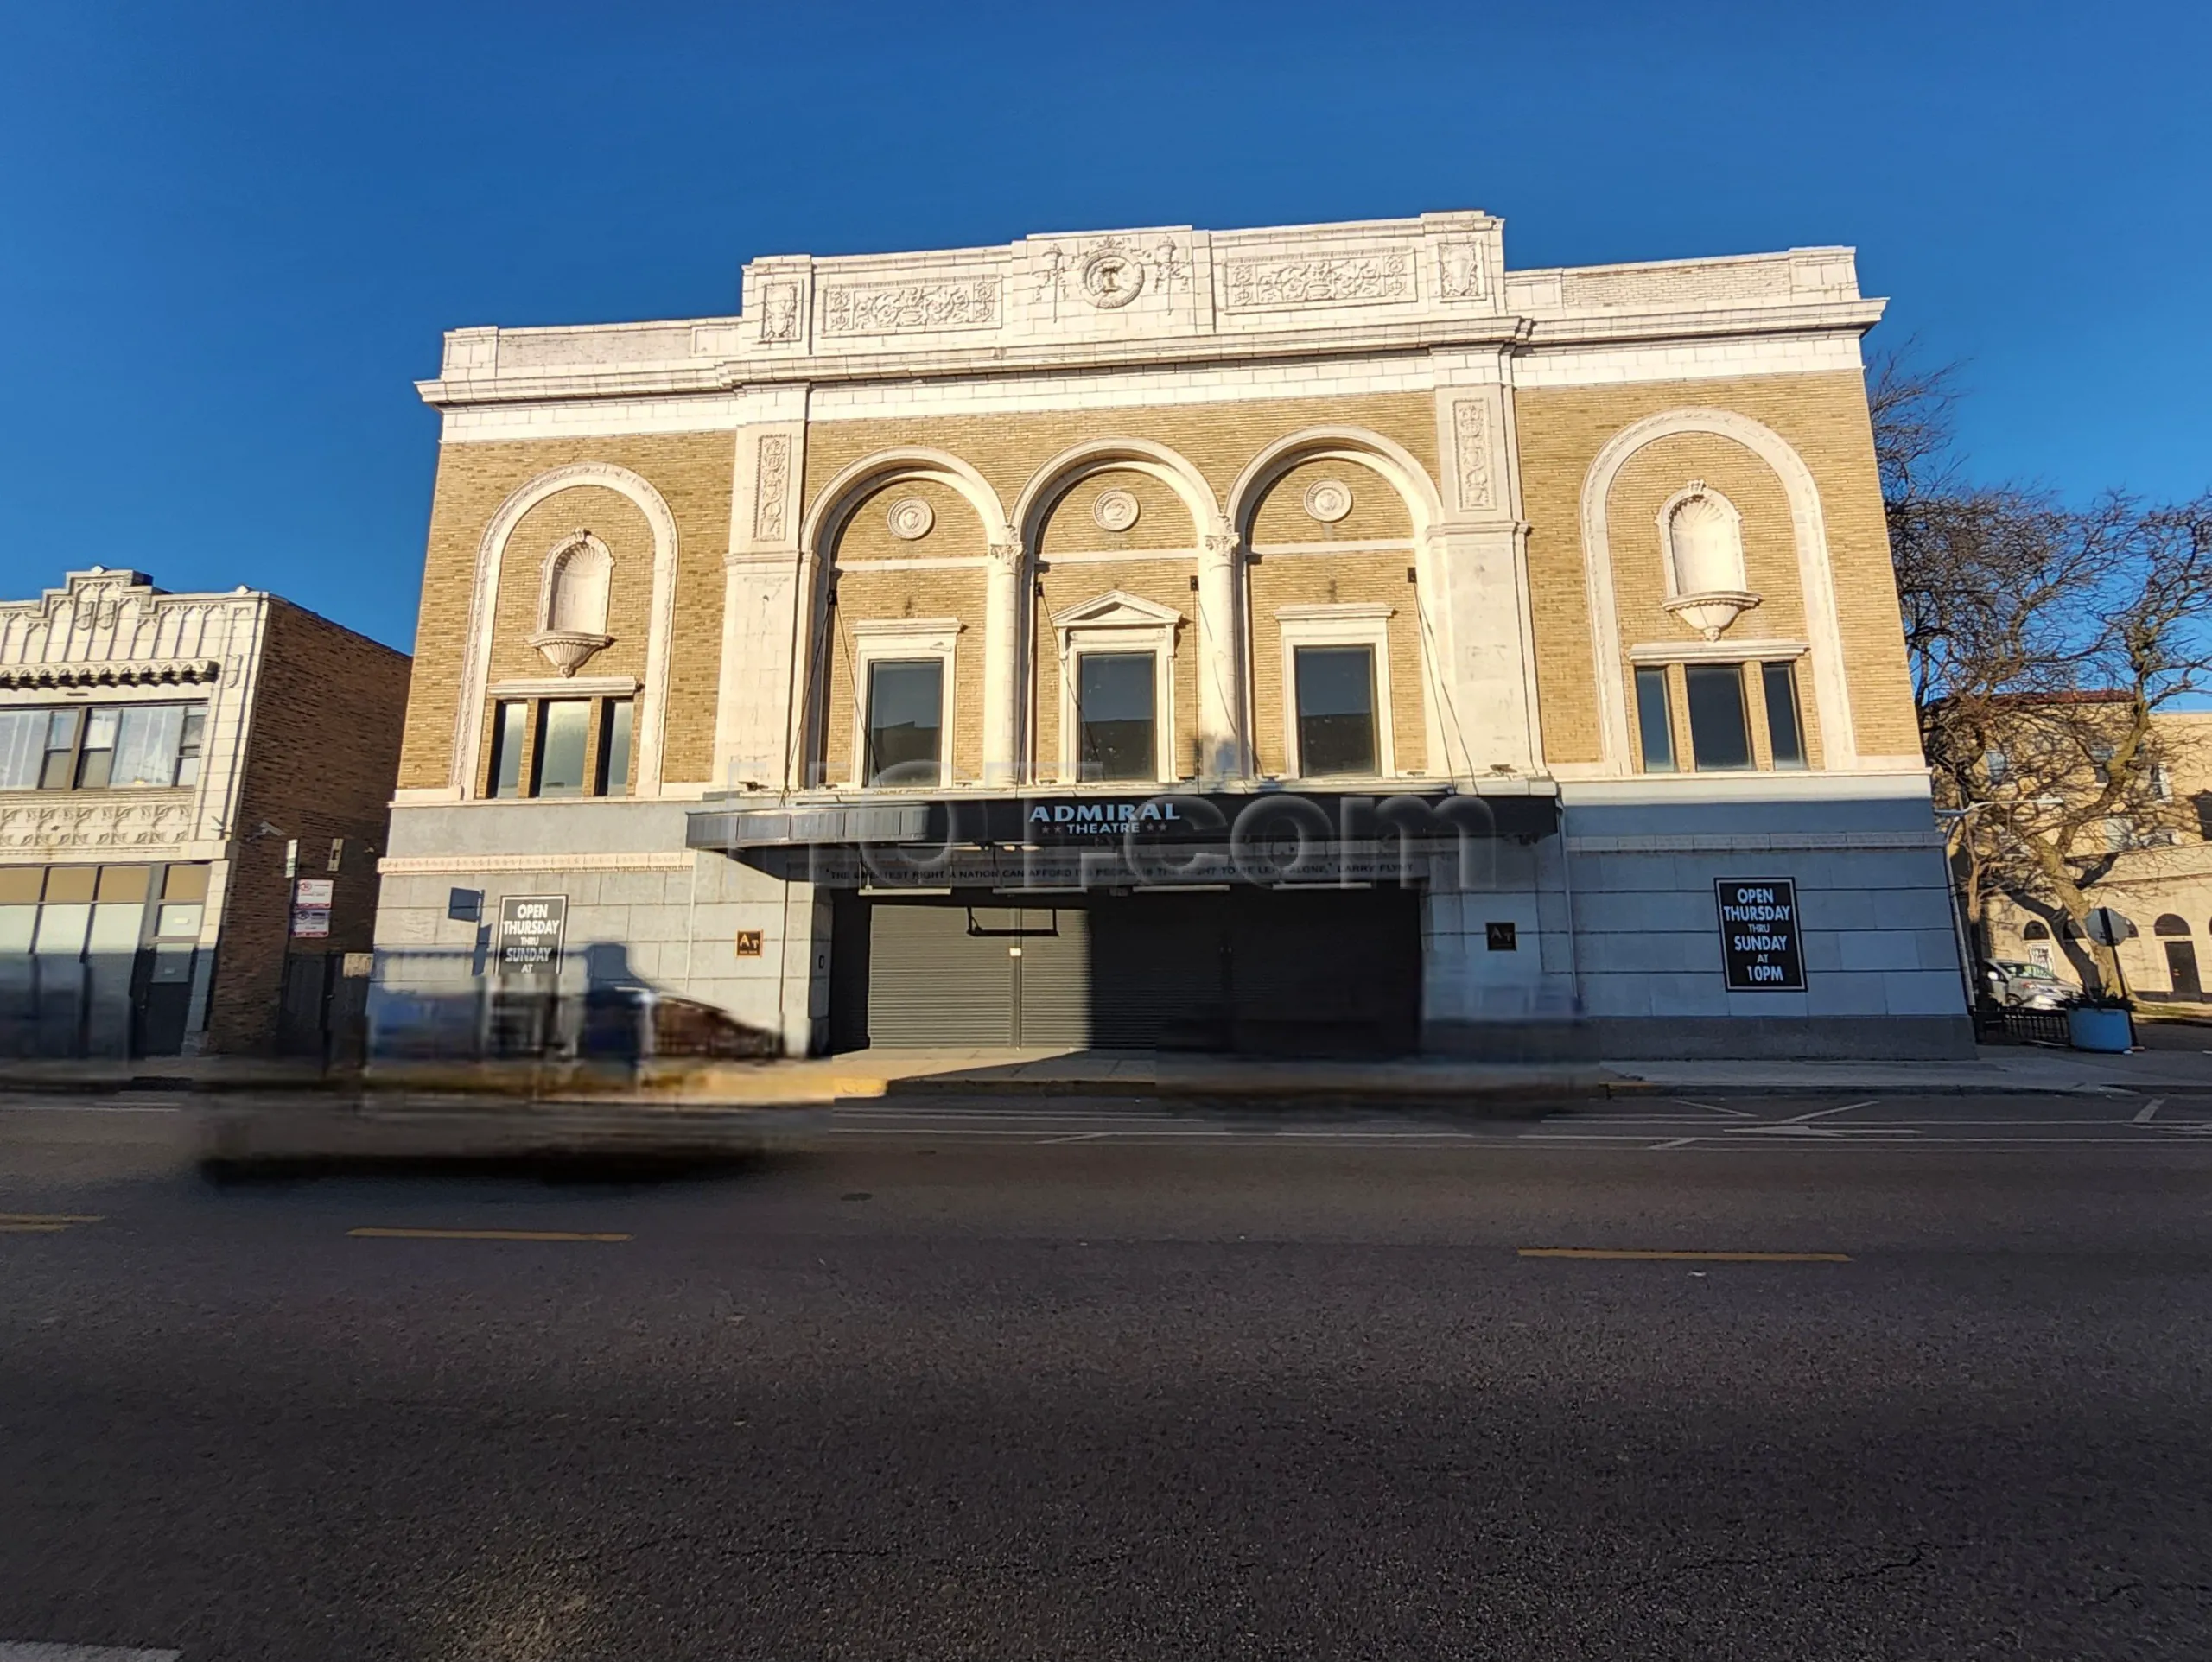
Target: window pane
[
  {"x": 1719, "y": 737},
  {"x": 60, "y": 748},
  {"x": 145, "y": 751},
  {"x": 22, "y": 748},
  {"x": 1113, "y": 713},
  {"x": 1336, "y": 709},
  {"x": 615, "y": 749},
  {"x": 508, "y": 735},
  {"x": 1654, "y": 721},
  {"x": 562, "y": 726},
  {"x": 1782, "y": 733},
  {"x": 906, "y": 701}
]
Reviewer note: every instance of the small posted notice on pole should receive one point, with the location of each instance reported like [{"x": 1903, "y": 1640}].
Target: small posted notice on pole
[{"x": 530, "y": 930}]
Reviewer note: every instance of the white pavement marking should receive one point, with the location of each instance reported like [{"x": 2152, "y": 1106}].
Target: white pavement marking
[
  {"x": 1715, "y": 1107},
  {"x": 1077, "y": 1137},
  {"x": 1679, "y": 1142},
  {"x": 2150, "y": 1109},
  {"x": 31, "y": 1650},
  {"x": 1820, "y": 1112}
]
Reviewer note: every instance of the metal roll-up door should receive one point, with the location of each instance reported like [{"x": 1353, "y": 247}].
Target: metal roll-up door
[
  {"x": 1052, "y": 982},
  {"x": 1159, "y": 972},
  {"x": 932, "y": 982},
  {"x": 1323, "y": 973}
]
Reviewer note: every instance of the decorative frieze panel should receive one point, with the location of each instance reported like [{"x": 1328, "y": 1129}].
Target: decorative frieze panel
[
  {"x": 771, "y": 487},
  {"x": 166, "y": 672},
  {"x": 52, "y": 826},
  {"x": 911, "y": 307},
  {"x": 780, "y": 311},
  {"x": 1276, "y": 282},
  {"x": 1459, "y": 271},
  {"x": 1470, "y": 440}
]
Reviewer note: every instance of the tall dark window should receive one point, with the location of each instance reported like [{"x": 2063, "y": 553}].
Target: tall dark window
[
  {"x": 615, "y": 718},
  {"x": 1114, "y": 716},
  {"x": 1720, "y": 738},
  {"x": 1654, "y": 720},
  {"x": 1784, "y": 736},
  {"x": 564, "y": 735},
  {"x": 510, "y": 737},
  {"x": 1336, "y": 710},
  {"x": 906, "y": 721},
  {"x": 62, "y": 727}
]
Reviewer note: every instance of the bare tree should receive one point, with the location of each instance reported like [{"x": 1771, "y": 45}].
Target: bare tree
[{"x": 2042, "y": 641}]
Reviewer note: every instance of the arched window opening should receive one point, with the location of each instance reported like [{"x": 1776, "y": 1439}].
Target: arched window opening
[
  {"x": 2168, "y": 924},
  {"x": 2036, "y": 931}
]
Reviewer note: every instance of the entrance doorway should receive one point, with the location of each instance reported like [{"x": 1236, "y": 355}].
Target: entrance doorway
[{"x": 1286, "y": 972}]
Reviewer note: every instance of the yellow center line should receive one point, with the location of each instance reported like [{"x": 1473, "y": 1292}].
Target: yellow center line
[
  {"x": 482, "y": 1234},
  {"x": 1702, "y": 1257},
  {"x": 49, "y": 1217},
  {"x": 32, "y": 1228}
]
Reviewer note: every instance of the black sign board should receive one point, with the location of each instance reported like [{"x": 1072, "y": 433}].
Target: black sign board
[
  {"x": 1503, "y": 937},
  {"x": 1760, "y": 945},
  {"x": 531, "y": 927}
]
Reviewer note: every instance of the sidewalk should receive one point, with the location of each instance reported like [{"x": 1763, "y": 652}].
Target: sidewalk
[{"x": 1013, "y": 1073}]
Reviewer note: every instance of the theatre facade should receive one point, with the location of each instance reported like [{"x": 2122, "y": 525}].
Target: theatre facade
[{"x": 1314, "y": 639}]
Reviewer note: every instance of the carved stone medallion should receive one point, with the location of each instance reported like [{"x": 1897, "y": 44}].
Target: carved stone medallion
[
  {"x": 1328, "y": 500},
  {"x": 910, "y": 519},
  {"x": 1115, "y": 511},
  {"x": 1111, "y": 279}
]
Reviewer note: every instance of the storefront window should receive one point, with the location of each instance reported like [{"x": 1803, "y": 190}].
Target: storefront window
[
  {"x": 905, "y": 706},
  {"x": 1336, "y": 710},
  {"x": 1720, "y": 738},
  {"x": 1113, "y": 713}
]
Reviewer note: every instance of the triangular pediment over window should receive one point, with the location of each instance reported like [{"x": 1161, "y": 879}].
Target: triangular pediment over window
[{"x": 1117, "y": 610}]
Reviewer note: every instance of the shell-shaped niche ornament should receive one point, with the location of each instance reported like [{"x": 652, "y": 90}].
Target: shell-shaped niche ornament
[
  {"x": 1703, "y": 536},
  {"x": 572, "y": 602}
]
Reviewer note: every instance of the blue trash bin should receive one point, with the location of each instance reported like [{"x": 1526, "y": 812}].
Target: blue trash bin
[{"x": 2090, "y": 1029}]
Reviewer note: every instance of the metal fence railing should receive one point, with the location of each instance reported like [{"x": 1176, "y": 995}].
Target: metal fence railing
[{"x": 2012, "y": 1024}]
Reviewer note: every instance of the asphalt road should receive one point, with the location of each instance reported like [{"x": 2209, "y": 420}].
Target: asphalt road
[{"x": 1105, "y": 1380}]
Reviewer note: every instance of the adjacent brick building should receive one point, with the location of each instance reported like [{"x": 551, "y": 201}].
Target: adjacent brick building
[
  {"x": 180, "y": 775},
  {"x": 1322, "y": 638}
]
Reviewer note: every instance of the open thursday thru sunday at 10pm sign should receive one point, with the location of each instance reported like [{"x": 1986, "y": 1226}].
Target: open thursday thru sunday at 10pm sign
[{"x": 1760, "y": 944}]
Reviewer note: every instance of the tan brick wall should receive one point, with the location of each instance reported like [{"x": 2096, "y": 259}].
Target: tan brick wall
[
  {"x": 954, "y": 531},
  {"x": 1649, "y": 479},
  {"x": 1823, "y": 417},
  {"x": 957, "y": 592},
  {"x": 1163, "y": 518},
  {"x": 616, "y": 521},
  {"x": 1217, "y": 439},
  {"x": 1165, "y": 582},
  {"x": 1277, "y": 580},
  {"x": 322, "y": 748},
  {"x": 691, "y": 471},
  {"x": 1377, "y": 512}
]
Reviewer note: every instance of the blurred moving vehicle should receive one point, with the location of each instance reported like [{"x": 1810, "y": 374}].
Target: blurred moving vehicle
[{"x": 2020, "y": 985}]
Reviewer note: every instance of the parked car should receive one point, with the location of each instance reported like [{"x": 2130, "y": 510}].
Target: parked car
[{"x": 2027, "y": 986}]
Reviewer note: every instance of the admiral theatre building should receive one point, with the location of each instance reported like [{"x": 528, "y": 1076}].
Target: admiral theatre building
[{"x": 1325, "y": 638}]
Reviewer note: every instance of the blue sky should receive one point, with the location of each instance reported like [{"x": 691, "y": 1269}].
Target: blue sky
[{"x": 229, "y": 235}]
